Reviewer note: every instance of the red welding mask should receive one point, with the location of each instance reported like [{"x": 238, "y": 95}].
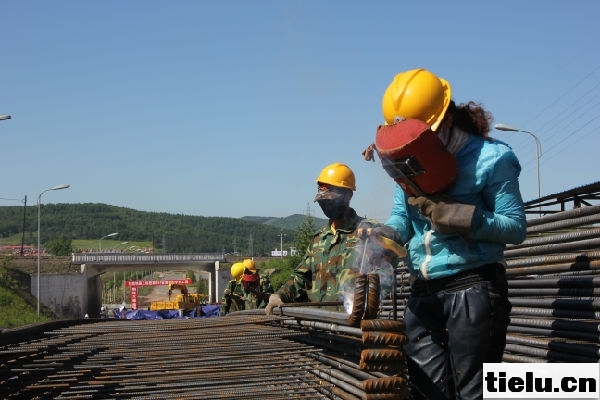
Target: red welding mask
[
  {"x": 251, "y": 282},
  {"x": 413, "y": 155}
]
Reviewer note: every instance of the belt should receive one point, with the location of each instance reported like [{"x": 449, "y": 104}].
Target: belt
[{"x": 463, "y": 279}]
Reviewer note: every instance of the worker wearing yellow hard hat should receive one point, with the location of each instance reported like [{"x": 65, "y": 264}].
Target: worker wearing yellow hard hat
[
  {"x": 335, "y": 186},
  {"x": 417, "y": 94},
  {"x": 455, "y": 236},
  {"x": 237, "y": 270},
  {"x": 257, "y": 289},
  {"x": 327, "y": 271},
  {"x": 233, "y": 296},
  {"x": 249, "y": 265}
]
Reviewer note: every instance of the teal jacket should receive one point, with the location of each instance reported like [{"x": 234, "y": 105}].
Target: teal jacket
[{"x": 488, "y": 177}]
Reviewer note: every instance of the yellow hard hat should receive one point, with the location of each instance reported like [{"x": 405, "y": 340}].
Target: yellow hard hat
[
  {"x": 237, "y": 271},
  {"x": 419, "y": 94},
  {"x": 338, "y": 174},
  {"x": 249, "y": 265}
]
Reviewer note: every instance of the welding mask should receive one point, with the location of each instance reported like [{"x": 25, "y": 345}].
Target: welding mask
[
  {"x": 251, "y": 282},
  {"x": 413, "y": 155}
]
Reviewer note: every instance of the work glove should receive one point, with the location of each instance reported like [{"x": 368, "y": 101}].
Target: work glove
[
  {"x": 446, "y": 215},
  {"x": 368, "y": 153},
  {"x": 381, "y": 230},
  {"x": 387, "y": 237},
  {"x": 274, "y": 301}
]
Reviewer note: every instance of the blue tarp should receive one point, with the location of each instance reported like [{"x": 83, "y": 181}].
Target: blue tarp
[
  {"x": 207, "y": 311},
  {"x": 210, "y": 311}
]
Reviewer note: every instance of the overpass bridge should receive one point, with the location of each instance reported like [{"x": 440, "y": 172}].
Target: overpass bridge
[
  {"x": 74, "y": 295},
  {"x": 105, "y": 260}
]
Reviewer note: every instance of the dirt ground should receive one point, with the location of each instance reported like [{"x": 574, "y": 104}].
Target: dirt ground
[{"x": 161, "y": 292}]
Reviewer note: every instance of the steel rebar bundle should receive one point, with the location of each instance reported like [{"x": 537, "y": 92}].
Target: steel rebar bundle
[
  {"x": 245, "y": 354},
  {"x": 554, "y": 282}
]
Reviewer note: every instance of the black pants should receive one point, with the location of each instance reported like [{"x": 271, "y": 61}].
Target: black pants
[{"x": 454, "y": 325}]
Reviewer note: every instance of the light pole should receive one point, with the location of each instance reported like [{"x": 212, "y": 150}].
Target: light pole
[
  {"x": 281, "y": 235},
  {"x": 4, "y": 116},
  {"x": 538, "y": 149},
  {"x": 39, "y": 200},
  {"x": 104, "y": 237}
]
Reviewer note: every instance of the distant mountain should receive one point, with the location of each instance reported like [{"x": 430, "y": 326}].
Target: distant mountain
[{"x": 175, "y": 233}]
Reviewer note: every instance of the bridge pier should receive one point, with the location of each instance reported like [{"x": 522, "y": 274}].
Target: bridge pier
[
  {"x": 95, "y": 264},
  {"x": 69, "y": 296},
  {"x": 72, "y": 295}
]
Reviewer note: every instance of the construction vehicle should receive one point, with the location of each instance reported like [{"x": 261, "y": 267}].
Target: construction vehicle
[{"x": 184, "y": 301}]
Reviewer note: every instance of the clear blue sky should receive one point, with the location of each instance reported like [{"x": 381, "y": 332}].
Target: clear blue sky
[{"x": 232, "y": 108}]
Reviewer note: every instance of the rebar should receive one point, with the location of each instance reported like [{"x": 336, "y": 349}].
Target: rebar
[
  {"x": 361, "y": 287},
  {"x": 189, "y": 359},
  {"x": 575, "y": 335},
  {"x": 564, "y": 215},
  {"x": 373, "y": 297}
]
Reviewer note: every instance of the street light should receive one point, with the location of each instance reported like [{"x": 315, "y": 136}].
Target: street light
[
  {"x": 538, "y": 149},
  {"x": 39, "y": 200},
  {"x": 281, "y": 235},
  {"x": 104, "y": 237},
  {"x": 5, "y": 116}
]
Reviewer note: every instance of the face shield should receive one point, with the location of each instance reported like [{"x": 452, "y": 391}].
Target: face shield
[
  {"x": 251, "y": 281},
  {"x": 413, "y": 155}
]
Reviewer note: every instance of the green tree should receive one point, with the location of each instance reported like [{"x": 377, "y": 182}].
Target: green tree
[
  {"x": 191, "y": 275},
  {"x": 202, "y": 286},
  {"x": 61, "y": 246},
  {"x": 304, "y": 234},
  {"x": 283, "y": 266}
]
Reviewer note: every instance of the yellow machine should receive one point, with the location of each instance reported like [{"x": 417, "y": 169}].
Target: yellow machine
[{"x": 184, "y": 301}]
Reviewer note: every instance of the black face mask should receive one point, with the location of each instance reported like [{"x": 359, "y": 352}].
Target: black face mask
[{"x": 333, "y": 208}]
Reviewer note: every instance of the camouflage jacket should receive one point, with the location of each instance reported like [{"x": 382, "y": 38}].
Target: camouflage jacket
[
  {"x": 328, "y": 267},
  {"x": 233, "y": 298}
]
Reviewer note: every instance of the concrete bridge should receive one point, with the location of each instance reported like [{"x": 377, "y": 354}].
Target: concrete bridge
[{"x": 76, "y": 294}]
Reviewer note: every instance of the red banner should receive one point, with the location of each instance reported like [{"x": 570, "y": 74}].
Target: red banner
[
  {"x": 157, "y": 282},
  {"x": 134, "y": 285},
  {"x": 134, "y": 298}
]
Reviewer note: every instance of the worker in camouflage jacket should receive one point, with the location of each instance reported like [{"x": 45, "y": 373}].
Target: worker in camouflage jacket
[
  {"x": 329, "y": 266},
  {"x": 233, "y": 296},
  {"x": 256, "y": 289}
]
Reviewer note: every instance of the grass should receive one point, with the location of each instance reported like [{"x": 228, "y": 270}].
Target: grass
[
  {"x": 76, "y": 244},
  {"x": 110, "y": 245},
  {"x": 18, "y": 306},
  {"x": 16, "y": 311}
]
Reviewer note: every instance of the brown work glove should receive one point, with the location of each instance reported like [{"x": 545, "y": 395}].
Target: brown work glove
[
  {"x": 382, "y": 230},
  {"x": 274, "y": 301},
  {"x": 446, "y": 215},
  {"x": 368, "y": 153}
]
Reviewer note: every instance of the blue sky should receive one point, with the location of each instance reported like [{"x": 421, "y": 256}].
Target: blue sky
[{"x": 232, "y": 108}]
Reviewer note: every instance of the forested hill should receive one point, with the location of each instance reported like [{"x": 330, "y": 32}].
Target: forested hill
[{"x": 176, "y": 232}]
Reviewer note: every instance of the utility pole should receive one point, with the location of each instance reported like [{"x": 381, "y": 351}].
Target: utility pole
[
  {"x": 281, "y": 235},
  {"x": 24, "y": 216},
  {"x": 251, "y": 245}
]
